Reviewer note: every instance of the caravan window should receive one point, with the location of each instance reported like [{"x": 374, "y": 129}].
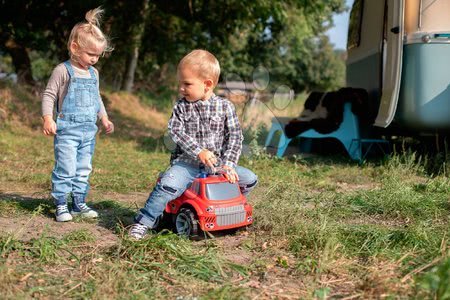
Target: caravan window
[{"x": 354, "y": 28}]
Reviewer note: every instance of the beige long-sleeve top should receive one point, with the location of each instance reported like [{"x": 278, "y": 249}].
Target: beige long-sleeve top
[{"x": 57, "y": 86}]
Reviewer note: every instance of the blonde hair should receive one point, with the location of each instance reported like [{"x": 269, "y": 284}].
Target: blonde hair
[
  {"x": 88, "y": 33},
  {"x": 203, "y": 62}
]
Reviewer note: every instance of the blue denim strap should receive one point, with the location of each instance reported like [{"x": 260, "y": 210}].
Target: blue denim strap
[
  {"x": 91, "y": 71},
  {"x": 69, "y": 68}
]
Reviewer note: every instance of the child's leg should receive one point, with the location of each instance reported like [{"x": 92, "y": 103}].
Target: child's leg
[
  {"x": 65, "y": 168},
  {"x": 247, "y": 179},
  {"x": 171, "y": 185},
  {"x": 85, "y": 152},
  {"x": 80, "y": 186},
  {"x": 63, "y": 173}
]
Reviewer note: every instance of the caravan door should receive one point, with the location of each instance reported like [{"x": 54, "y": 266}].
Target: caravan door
[
  {"x": 392, "y": 62},
  {"x": 365, "y": 52}
]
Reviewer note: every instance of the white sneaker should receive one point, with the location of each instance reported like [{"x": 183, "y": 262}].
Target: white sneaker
[
  {"x": 81, "y": 209},
  {"x": 62, "y": 213},
  {"x": 138, "y": 231}
]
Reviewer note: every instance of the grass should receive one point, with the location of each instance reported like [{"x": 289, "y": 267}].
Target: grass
[
  {"x": 324, "y": 227},
  {"x": 145, "y": 267}
]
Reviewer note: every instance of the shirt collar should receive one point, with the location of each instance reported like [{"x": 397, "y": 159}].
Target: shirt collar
[
  {"x": 201, "y": 102},
  {"x": 206, "y": 102}
]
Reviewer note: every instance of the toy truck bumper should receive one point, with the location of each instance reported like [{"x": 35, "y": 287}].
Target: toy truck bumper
[{"x": 227, "y": 218}]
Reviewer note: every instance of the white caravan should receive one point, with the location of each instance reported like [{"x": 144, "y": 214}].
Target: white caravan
[{"x": 399, "y": 51}]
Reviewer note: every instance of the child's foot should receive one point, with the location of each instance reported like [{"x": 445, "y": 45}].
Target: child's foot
[
  {"x": 81, "y": 209},
  {"x": 62, "y": 213},
  {"x": 138, "y": 231}
]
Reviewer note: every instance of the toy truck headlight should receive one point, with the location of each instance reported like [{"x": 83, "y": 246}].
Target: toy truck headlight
[{"x": 210, "y": 209}]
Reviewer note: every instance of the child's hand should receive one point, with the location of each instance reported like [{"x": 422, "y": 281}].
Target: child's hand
[
  {"x": 207, "y": 158},
  {"x": 107, "y": 125},
  {"x": 49, "y": 126},
  {"x": 231, "y": 175}
]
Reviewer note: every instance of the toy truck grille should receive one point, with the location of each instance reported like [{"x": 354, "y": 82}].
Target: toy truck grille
[{"x": 230, "y": 215}]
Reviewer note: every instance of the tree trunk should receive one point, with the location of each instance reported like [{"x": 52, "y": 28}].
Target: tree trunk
[
  {"x": 137, "y": 30},
  {"x": 128, "y": 78},
  {"x": 21, "y": 62}
]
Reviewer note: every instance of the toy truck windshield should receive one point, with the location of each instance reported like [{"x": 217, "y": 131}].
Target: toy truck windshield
[{"x": 222, "y": 191}]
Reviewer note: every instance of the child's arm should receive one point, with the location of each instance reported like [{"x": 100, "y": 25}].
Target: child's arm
[
  {"x": 49, "y": 126},
  {"x": 208, "y": 158},
  {"x": 107, "y": 124},
  {"x": 50, "y": 97},
  {"x": 102, "y": 111},
  {"x": 233, "y": 139},
  {"x": 231, "y": 174},
  {"x": 102, "y": 115}
]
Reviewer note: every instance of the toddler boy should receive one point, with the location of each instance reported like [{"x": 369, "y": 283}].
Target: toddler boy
[{"x": 206, "y": 131}]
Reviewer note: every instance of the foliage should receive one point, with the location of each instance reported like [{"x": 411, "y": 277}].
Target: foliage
[
  {"x": 286, "y": 37},
  {"x": 436, "y": 281}
]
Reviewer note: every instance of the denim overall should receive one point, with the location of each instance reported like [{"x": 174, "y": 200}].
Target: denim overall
[{"x": 74, "y": 141}]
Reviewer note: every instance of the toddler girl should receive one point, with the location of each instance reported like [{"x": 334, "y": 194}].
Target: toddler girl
[{"x": 73, "y": 89}]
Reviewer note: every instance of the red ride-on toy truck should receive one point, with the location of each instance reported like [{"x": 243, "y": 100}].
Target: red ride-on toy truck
[{"x": 211, "y": 203}]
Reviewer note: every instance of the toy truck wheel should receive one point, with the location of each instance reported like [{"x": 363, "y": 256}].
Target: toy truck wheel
[{"x": 186, "y": 223}]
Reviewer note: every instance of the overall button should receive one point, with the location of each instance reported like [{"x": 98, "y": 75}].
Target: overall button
[{"x": 61, "y": 116}]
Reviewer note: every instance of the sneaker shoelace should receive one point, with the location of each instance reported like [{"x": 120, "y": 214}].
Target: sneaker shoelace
[
  {"x": 83, "y": 206},
  {"x": 60, "y": 209},
  {"x": 139, "y": 229}
]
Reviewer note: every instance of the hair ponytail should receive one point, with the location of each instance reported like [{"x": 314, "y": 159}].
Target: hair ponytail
[
  {"x": 94, "y": 16},
  {"x": 88, "y": 34}
]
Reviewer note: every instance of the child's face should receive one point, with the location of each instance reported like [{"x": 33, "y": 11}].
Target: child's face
[
  {"x": 86, "y": 57},
  {"x": 192, "y": 86}
]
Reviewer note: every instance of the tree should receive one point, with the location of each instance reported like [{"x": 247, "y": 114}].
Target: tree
[
  {"x": 135, "y": 39},
  {"x": 242, "y": 34},
  {"x": 14, "y": 35},
  {"x": 37, "y": 25},
  {"x": 150, "y": 37}
]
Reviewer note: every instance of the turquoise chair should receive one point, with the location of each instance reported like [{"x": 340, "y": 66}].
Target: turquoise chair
[{"x": 347, "y": 134}]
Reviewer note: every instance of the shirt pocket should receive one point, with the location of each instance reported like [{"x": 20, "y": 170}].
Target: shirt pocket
[
  {"x": 216, "y": 123},
  {"x": 191, "y": 123}
]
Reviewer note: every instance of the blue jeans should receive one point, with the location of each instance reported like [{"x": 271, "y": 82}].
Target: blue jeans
[
  {"x": 74, "y": 146},
  {"x": 174, "y": 182}
]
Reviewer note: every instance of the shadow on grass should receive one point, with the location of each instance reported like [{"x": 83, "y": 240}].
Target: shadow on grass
[
  {"x": 13, "y": 204},
  {"x": 327, "y": 150},
  {"x": 112, "y": 215}
]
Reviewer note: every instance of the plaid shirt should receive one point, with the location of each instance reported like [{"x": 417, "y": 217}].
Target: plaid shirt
[{"x": 211, "y": 124}]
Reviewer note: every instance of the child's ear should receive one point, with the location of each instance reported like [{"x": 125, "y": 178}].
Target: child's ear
[
  {"x": 208, "y": 83},
  {"x": 73, "y": 47}
]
